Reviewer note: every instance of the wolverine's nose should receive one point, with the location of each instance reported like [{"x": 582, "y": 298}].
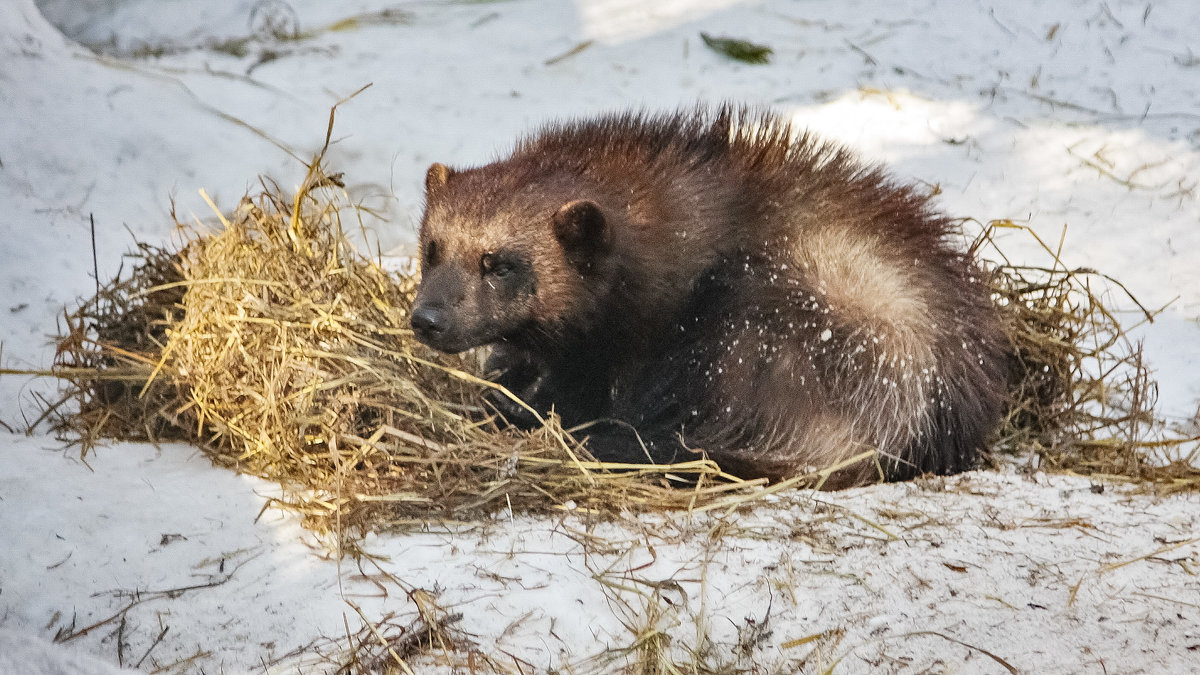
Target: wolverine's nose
[{"x": 428, "y": 321}]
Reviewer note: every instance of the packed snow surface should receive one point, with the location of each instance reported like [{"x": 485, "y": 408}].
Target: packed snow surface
[{"x": 1079, "y": 115}]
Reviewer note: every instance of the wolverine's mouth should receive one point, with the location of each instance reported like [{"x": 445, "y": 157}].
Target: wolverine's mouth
[
  {"x": 443, "y": 342},
  {"x": 434, "y": 328}
]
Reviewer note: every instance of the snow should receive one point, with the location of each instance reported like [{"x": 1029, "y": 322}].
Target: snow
[{"x": 1076, "y": 114}]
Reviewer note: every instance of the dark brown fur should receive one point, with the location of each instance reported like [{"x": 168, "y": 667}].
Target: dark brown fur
[{"x": 718, "y": 282}]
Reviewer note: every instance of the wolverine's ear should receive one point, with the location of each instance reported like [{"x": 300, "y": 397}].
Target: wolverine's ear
[
  {"x": 581, "y": 229},
  {"x": 437, "y": 176}
]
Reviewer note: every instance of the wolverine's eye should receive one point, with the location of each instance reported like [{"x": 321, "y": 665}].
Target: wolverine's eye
[
  {"x": 493, "y": 265},
  {"x": 431, "y": 253}
]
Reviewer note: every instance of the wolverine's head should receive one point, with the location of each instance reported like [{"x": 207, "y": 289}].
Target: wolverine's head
[{"x": 506, "y": 254}]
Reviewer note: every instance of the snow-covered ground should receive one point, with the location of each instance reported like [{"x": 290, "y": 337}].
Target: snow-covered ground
[{"x": 1053, "y": 114}]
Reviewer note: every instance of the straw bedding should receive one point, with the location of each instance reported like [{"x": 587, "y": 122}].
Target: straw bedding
[{"x": 285, "y": 353}]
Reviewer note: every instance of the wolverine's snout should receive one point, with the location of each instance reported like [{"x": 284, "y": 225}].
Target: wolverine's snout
[
  {"x": 429, "y": 323},
  {"x": 441, "y": 313},
  {"x": 437, "y": 326}
]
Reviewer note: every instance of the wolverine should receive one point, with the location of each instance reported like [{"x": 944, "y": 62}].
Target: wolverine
[{"x": 716, "y": 281}]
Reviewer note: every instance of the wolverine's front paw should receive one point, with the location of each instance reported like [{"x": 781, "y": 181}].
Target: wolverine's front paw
[
  {"x": 511, "y": 368},
  {"x": 511, "y": 412},
  {"x": 518, "y": 373}
]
